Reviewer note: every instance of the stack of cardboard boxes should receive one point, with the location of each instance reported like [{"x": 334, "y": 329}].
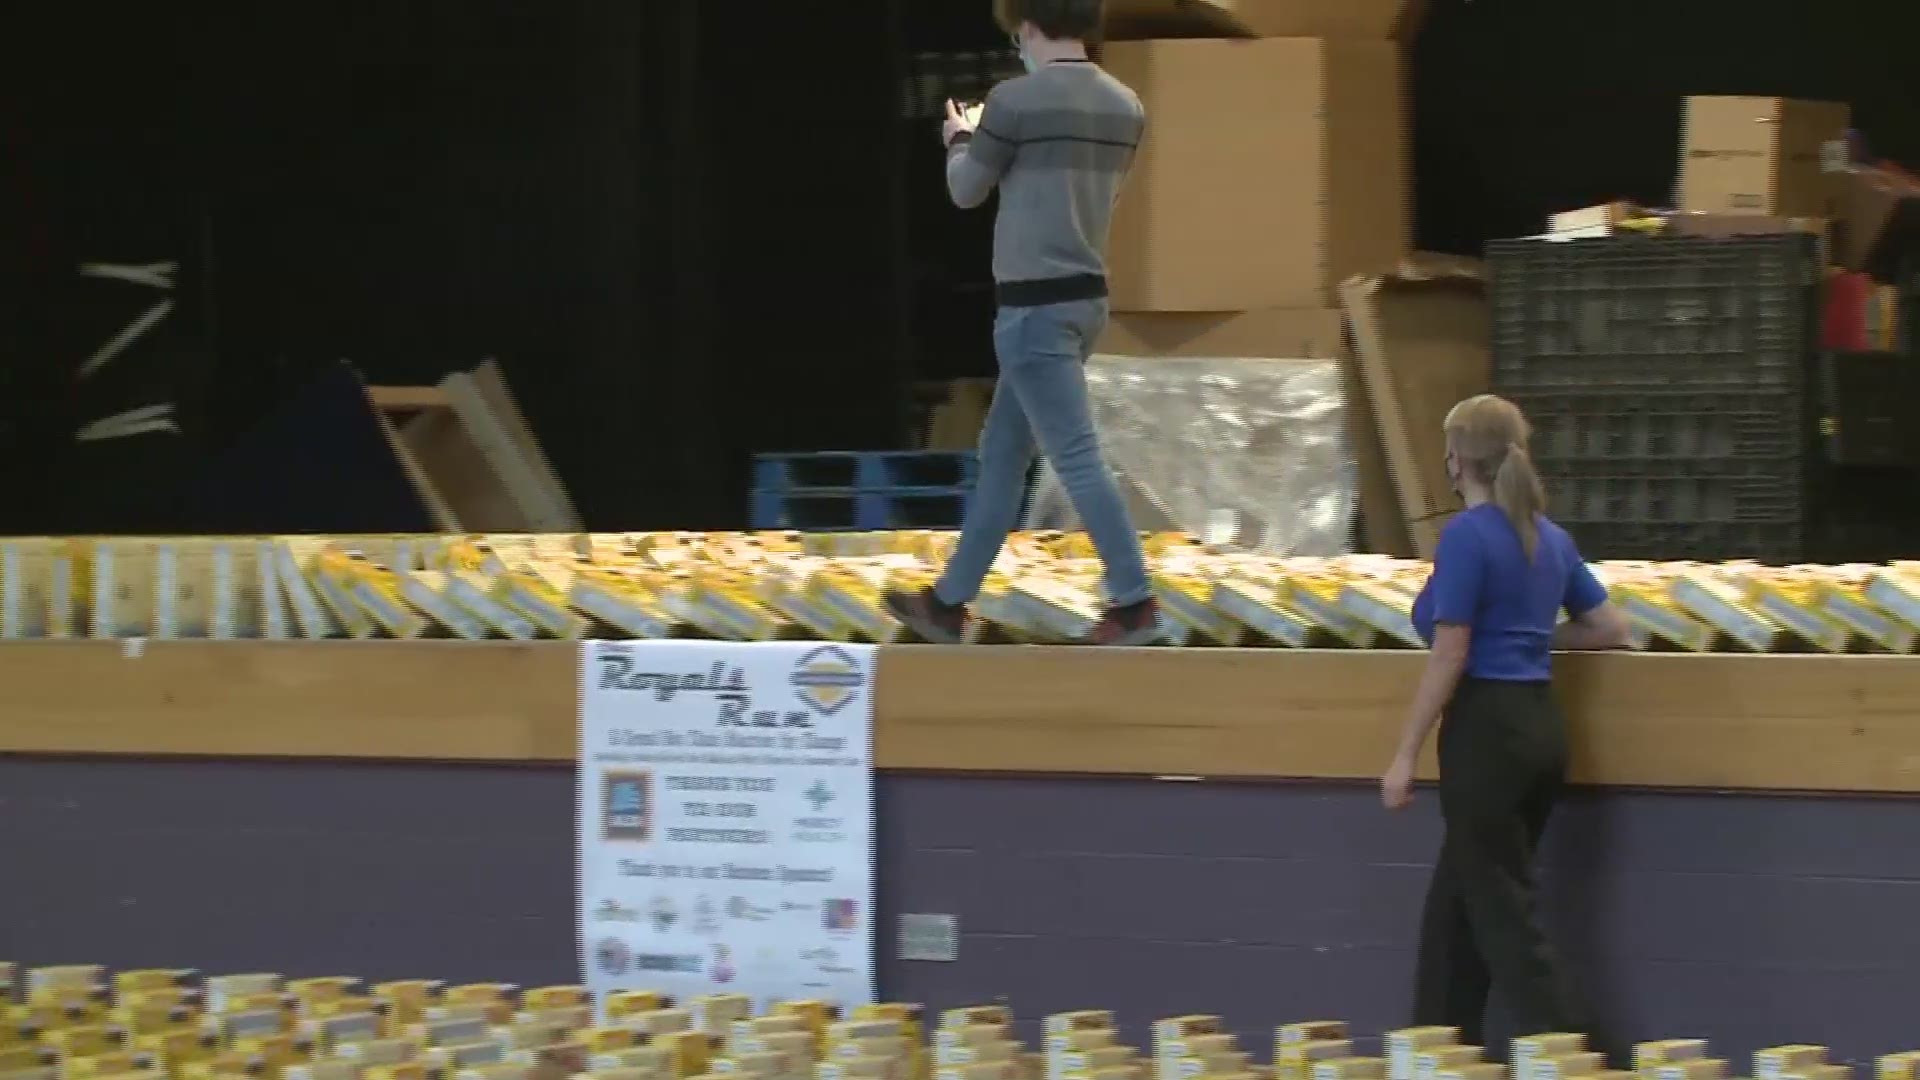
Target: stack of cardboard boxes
[
  {"x": 1275, "y": 165},
  {"x": 1759, "y": 164},
  {"x": 1752, "y": 165}
]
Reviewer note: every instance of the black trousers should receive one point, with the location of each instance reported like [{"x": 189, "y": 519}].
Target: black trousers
[{"x": 1503, "y": 762}]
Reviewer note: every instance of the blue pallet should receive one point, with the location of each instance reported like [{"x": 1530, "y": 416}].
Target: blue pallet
[
  {"x": 844, "y": 510},
  {"x": 865, "y": 470}
]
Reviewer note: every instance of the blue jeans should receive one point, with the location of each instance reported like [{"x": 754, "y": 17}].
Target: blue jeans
[{"x": 1042, "y": 397}]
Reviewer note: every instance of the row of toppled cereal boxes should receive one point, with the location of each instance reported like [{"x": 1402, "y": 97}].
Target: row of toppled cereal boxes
[
  {"x": 78, "y": 1023},
  {"x": 766, "y": 586}
]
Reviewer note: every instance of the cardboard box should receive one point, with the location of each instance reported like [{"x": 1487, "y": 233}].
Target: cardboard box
[
  {"x": 1755, "y": 155},
  {"x": 1428, "y": 1064},
  {"x": 1822, "y": 1071},
  {"x": 1568, "y": 1066},
  {"x": 1372, "y": 20},
  {"x": 1403, "y": 1045},
  {"x": 1353, "y": 1068},
  {"x": 1599, "y": 220},
  {"x": 1294, "y": 1060},
  {"x": 1273, "y": 333},
  {"x": 1529, "y": 1048},
  {"x": 1309, "y": 1030},
  {"x": 1875, "y": 204},
  {"x": 1775, "y": 1061},
  {"x": 1484, "y": 1070},
  {"x": 1692, "y": 1069},
  {"x": 1271, "y": 171},
  {"x": 1421, "y": 342},
  {"x": 1902, "y": 1066},
  {"x": 1648, "y": 1056}
]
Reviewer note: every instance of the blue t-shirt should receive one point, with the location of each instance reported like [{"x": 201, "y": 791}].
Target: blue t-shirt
[{"x": 1481, "y": 579}]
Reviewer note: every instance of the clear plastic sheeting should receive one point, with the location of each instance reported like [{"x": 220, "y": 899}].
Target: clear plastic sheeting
[{"x": 1250, "y": 454}]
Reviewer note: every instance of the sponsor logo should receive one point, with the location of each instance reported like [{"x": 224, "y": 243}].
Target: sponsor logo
[
  {"x": 667, "y": 962},
  {"x": 627, "y": 806},
  {"x": 616, "y": 912},
  {"x": 612, "y": 957},
  {"x": 826, "y": 961},
  {"x": 723, "y": 971},
  {"x": 741, "y": 909},
  {"x": 618, "y": 671},
  {"x": 663, "y": 913},
  {"x": 840, "y": 916},
  {"x": 706, "y": 920},
  {"x": 828, "y": 679}
]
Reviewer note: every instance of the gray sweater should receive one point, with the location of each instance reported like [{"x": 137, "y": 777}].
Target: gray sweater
[{"x": 1057, "y": 143}]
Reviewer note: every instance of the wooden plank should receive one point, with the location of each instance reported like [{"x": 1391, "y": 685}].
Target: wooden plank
[
  {"x": 418, "y": 474},
  {"x": 467, "y": 483},
  {"x": 407, "y": 398},
  {"x": 463, "y": 701},
  {"x": 1791, "y": 723},
  {"x": 489, "y": 382},
  {"x": 503, "y": 442},
  {"x": 1783, "y": 723}
]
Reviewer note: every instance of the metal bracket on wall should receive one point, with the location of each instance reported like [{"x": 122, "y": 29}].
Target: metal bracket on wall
[{"x": 929, "y": 938}]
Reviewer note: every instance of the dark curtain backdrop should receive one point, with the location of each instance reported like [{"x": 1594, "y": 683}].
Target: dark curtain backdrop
[{"x": 691, "y": 229}]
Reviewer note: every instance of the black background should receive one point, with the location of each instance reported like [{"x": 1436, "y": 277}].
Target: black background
[{"x": 691, "y": 229}]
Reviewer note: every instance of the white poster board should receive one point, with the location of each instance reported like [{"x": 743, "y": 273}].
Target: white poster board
[{"x": 726, "y": 819}]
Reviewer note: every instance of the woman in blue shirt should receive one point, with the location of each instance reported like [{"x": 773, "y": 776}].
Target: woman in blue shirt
[{"x": 1502, "y": 573}]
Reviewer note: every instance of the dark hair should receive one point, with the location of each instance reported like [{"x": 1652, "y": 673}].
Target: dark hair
[{"x": 1059, "y": 20}]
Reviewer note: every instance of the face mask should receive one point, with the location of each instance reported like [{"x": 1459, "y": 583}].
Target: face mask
[
  {"x": 1026, "y": 58},
  {"x": 1453, "y": 475}
]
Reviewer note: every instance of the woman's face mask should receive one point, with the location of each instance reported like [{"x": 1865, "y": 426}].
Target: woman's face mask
[{"x": 1026, "y": 58}]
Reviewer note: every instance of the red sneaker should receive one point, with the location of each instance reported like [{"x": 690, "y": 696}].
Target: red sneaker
[
  {"x": 923, "y": 613},
  {"x": 1135, "y": 624}
]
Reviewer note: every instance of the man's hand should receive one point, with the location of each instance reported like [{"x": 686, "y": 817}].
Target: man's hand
[{"x": 961, "y": 120}]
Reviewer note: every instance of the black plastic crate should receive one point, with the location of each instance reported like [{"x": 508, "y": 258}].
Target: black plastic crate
[
  {"x": 1711, "y": 430},
  {"x": 1651, "y": 313},
  {"x": 1778, "y": 543},
  {"x": 1870, "y": 409},
  {"x": 1848, "y": 514},
  {"x": 1670, "y": 493}
]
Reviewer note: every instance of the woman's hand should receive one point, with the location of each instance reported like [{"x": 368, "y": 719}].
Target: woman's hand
[{"x": 1396, "y": 787}]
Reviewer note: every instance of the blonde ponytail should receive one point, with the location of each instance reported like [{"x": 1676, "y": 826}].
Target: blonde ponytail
[
  {"x": 1488, "y": 437},
  {"x": 1518, "y": 493}
]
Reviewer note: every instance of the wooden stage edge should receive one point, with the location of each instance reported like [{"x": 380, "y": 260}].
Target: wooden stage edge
[{"x": 1775, "y": 723}]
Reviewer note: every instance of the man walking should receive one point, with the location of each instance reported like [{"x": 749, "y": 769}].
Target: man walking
[{"x": 1056, "y": 142}]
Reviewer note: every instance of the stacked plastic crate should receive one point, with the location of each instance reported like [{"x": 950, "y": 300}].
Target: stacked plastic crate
[
  {"x": 838, "y": 491},
  {"x": 1668, "y": 383}
]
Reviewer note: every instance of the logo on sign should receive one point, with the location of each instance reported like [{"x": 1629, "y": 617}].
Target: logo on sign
[
  {"x": 827, "y": 679},
  {"x": 627, "y": 806},
  {"x": 705, "y": 917},
  {"x": 819, "y": 795},
  {"x": 826, "y": 961},
  {"x": 723, "y": 969},
  {"x": 612, "y": 956},
  {"x": 615, "y": 911},
  {"x": 665, "y": 962},
  {"x": 741, "y": 909},
  {"x": 663, "y": 913},
  {"x": 840, "y": 916}
]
